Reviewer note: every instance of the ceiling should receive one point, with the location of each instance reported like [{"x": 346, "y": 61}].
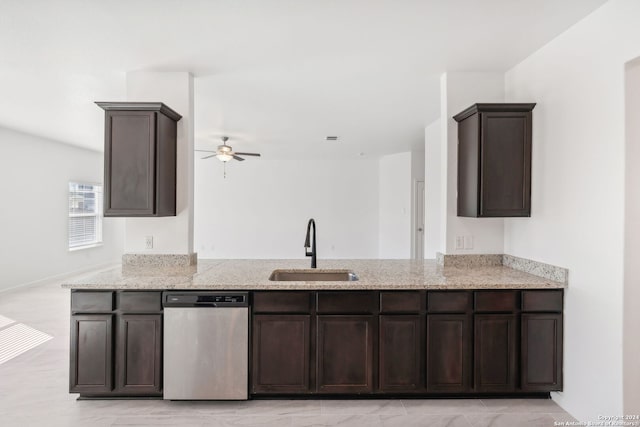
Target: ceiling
[{"x": 275, "y": 75}]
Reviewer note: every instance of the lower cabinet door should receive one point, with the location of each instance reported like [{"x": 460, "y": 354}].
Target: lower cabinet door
[
  {"x": 280, "y": 353},
  {"x": 448, "y": 352},
  {"x": 495, "y": 352},
  {"x": 345, "y": 354},
  {"x": 139, "y": 354},
  {"x": 91, "y": 354},
  {"x": 541, "y": 362},
  {"x": 401, "y": 349}
]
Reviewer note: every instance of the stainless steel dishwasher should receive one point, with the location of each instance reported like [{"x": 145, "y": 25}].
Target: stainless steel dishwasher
[{"x": 206, "y": 345}]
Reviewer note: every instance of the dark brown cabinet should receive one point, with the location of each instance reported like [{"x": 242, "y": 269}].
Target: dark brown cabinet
[
  {"x": 495, "y": 353},
  {"x": 494, "y": 160},
  {"x": 139, "y": 349},
  {"x": 448, "y": 352},
  {"x": 428, "y": 343},
  {"x": 281, "y": 353},
  {"x": 140, "y": 159},
  {"x": 401, "y": 353},
  {"x": 345, "y": 354},
  {"x": 91, "y": 354},
  {"x": 542, "y": 352},
  {"x": 437, "y": 342},
  {"x": 541, "y": 341},
  {"x": 116, "y": 343}
]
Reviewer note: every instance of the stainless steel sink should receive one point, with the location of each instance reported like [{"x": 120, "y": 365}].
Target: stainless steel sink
[{"x": 311, "y": 275}]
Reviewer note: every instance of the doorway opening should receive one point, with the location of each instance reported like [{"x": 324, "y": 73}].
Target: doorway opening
[{"x": 417, "y": 235}]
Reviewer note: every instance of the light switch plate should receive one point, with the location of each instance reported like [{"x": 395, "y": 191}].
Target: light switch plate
[
  {"x": 468, "y": 242},
  {"x": 459, "y": 242}
]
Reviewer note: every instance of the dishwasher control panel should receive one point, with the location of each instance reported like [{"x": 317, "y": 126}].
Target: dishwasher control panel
[{"x": 205, "y": 299}]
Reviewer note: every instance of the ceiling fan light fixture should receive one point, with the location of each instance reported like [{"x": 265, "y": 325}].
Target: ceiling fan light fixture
[{"x": 223, "y": 157}]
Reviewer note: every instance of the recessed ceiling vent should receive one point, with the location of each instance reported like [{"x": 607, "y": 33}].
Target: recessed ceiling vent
[{"x": 331, "y": 138}]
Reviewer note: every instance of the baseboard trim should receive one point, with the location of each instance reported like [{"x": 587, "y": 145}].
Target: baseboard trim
[{"x": 63, "y": 276}]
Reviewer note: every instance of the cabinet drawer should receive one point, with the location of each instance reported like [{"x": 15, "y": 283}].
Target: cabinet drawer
[
  {"x": 139, "y": 302},
  {"x": 347, "y": 302},
  {"x": 496, "y": 301},
  {"x": 449, "y": 302},
  {"x": 542, "y": 301},
  {"x": 400, "y": 302},
  {"x": 91, "y": 302},
  {"x": 281, "y": 302}
]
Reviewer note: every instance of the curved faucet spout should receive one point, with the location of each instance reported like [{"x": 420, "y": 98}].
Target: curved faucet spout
[{"x": 310, "y": 242}]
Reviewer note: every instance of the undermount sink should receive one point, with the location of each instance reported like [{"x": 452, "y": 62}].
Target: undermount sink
[{"x": 310, "y": 275}]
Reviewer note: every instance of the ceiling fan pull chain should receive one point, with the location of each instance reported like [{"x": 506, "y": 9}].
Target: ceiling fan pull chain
[{"x": 224, "y": 169}]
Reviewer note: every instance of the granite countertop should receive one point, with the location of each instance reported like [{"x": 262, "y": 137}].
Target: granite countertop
[{"x": 254, "y": 275}]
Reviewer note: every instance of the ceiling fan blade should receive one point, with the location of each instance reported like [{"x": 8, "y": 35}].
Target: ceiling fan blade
[
  {"x": 238, "y": 158},
  {"x": 248, "y": 154},
  {"x": 207, "y": 151},
  {"x": 207, "y": 157}
]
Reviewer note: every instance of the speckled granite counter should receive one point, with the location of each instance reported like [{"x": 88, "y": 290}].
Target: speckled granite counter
[{"x": 254, "y": 275}]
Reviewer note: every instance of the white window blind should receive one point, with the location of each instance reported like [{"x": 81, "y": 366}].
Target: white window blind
[{"x": 85, "y": 215}]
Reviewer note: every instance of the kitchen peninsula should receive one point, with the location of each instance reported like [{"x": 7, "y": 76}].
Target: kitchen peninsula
[{"x": 403, "y": 328}]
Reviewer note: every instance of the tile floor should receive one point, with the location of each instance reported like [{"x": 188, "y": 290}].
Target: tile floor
[{"x": 34, "y": 392}]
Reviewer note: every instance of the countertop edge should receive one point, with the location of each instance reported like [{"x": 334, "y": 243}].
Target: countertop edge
[{"x": 316, "y": 286}]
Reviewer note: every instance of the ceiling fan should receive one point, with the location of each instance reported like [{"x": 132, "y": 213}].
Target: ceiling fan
[{"x": 224, "y": 153}]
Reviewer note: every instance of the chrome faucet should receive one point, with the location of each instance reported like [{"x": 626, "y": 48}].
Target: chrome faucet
[{"x": 312, "y": 245}]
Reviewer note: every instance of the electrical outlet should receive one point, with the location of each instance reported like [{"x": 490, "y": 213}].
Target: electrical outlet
[
  {"x": 459, "y": 242},
  {"x": 468, "y": 242},
  {"x": 148, "y": 242}
]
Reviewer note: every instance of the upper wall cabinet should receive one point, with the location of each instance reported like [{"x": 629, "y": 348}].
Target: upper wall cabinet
[
  {"x": 494, "y": 160},
  {"x": 139, "y": 159}
]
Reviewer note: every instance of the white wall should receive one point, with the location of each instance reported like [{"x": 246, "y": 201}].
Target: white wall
[
  {"x": 631, "y": 343},
  {"x": 578, "y": 193},
  {"x": 261, "y": 209},
  {"x": 174, "y": 234},
  {"x": 34, "y": 188},
  {"x": 458, "y": 91},
  {"x": 432, "y": 191},
  {"x": 395, "y": 206}
]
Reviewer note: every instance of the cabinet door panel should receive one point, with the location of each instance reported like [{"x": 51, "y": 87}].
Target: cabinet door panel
[
  {"x": 495, "y": 352},
  {"x": 130, "y": 162},
  {"x": 282, "y": 302},
  {"x": 345, "y": 354},
  {"x": 139, "y": 350},
  {"x": 401, "y": 302},
  {"x": 139, "y": 302},
  {"x": 91, "y": 302},
  {"x": 448, "y": 352},
  {"x": 541, "y": 352},
  {"x": 347, "y": 302},
  {"x": 401, "y": 353},
  {"x": 496, "y": 301},
  {"x": 281, "y": 353},
  {"x": 542, "y": 301},
  {"x": 449, "y": 301},
  {"x": 91, "y": 353},
  {"x": 506, "y": 164}
]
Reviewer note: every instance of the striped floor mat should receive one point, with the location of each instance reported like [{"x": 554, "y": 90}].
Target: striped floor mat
[{"x": 18, "y": 339}]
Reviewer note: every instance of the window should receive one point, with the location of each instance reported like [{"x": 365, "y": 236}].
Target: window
[{"x": 85, "y": 215}]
